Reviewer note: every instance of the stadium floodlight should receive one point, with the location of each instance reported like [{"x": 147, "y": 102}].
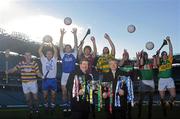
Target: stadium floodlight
[{"x": 20, "y": 36}]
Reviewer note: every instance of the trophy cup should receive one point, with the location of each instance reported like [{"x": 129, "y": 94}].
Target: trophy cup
[{"x": 95, "y": 85}]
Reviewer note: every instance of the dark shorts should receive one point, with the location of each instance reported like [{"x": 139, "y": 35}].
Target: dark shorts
[{"x": 49, "y": 84}]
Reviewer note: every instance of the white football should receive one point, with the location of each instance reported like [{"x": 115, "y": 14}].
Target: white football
[
  {"x": 67, "y": 21},
  {"x": 149, "y": 45},
  {"x": 131, "y": 28},
  {"x": 47, "y": 38}
]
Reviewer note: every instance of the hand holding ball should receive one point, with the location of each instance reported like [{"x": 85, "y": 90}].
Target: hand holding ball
[{"x": 67, "y": 21}]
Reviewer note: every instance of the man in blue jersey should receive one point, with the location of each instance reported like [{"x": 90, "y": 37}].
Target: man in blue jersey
[{"x": 68, "y": 57}]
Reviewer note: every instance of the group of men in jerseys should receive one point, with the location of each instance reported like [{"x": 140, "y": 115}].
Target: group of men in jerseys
[{"x": 76, "y": 82}]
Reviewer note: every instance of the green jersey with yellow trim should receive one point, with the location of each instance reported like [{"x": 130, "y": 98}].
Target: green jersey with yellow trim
[{"x": 165, "y": 68}]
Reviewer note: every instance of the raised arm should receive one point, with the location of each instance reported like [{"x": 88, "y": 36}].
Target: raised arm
[
  {"x": 154, "y": 61},
  {"x": 74, "y": 31},
  {"x": 40, "y": 50},
  {"x": 158, "y": 57},
  {"x": 141, "y": 59},
  {"x": 55, "y": 50},
  {"x": 94, "y": 46},
  {"x": 137, "y": 60},
  {"x": 138, "y": 55},
  {"x": 106, "y": 36},
  {"x": 125, "y": 57},
  {"x": 170, "y": 46},
  {"x": 62, "y": 31}
]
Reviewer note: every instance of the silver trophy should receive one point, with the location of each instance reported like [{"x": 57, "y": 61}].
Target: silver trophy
[
  {"x": 106, "y": 84},
  {"x": 95, "y": 84}
]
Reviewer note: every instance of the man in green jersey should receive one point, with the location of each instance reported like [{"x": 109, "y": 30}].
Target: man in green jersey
[
  {"x": 146, "y": 80},
  {"x": 165, "y": 76}
]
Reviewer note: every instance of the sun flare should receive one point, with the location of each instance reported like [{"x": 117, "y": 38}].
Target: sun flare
[{"x": 36, "y": 27}]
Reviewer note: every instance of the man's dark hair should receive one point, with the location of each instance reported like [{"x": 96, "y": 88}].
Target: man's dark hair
[
  {"x": 107, "y": 48},
  {"x": 87, "y": 47},
  {"x": 163, "y": 52},
  {"x": 82, "y": 60}
]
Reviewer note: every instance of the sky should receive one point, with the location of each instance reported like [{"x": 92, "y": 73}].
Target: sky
[{"x": 153, "y": 19}]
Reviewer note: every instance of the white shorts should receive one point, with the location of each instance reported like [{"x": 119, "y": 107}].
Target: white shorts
[
  {"x": 149, "y": 83},
  {"x": 147, "y": 86},
  {"x": 64, "y": 78},
  {"x": 165, "y": 83},
  {"x": 30, "y": 87}
]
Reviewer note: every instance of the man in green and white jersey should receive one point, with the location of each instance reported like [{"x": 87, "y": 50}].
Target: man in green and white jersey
[{"x": 147, "y": 85}]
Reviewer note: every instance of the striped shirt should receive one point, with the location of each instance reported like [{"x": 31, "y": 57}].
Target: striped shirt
[
  {"x": 28, "y": 71},
  {"x": 103, "y": 63}
]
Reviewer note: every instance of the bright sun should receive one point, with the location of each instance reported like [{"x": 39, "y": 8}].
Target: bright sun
[{"x": 36, "y": 27}]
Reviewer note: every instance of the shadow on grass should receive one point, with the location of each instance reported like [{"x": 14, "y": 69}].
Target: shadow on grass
[{"x": 21, "y": 113}]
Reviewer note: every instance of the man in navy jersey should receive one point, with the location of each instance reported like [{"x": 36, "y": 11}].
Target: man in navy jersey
[{"x": 68, "y": 56}]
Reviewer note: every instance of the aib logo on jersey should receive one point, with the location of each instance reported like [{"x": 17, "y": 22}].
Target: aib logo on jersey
[{"x": 49, "y": 65}]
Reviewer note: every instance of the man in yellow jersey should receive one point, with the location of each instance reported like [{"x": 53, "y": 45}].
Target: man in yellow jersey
[
  {"x": 29, "y": 71},
  {"x": 103, "y": 60},
  {"x": 166, "y": 81}
]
